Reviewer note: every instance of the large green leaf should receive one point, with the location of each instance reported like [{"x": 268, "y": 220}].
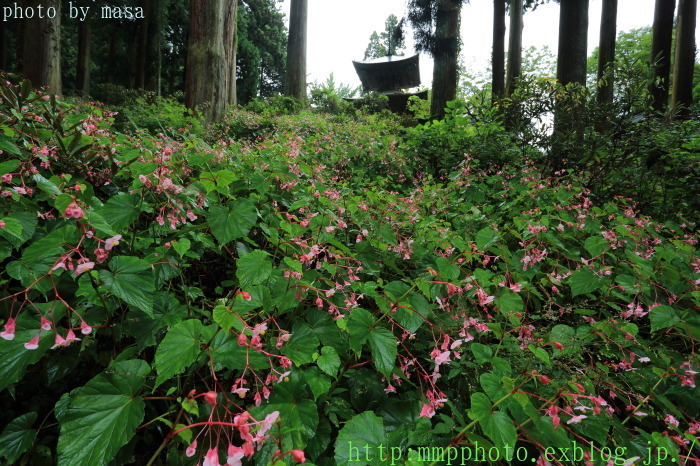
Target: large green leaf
[
  {"x": 179, "y": 348},
  {"x": 583, "y": 281},
  {"x": 298, "y": 414},
  {"x": 101, "y": 417},
  {"x": 328, "y": 361},
  {"x": 662, "y": 317},
  {"x": 17, "y": 437},
  {"x": 500, "y": 429},
  {"x": 253, "y": 268},
  {"x": 363, "y": 433},
  {"x": 358, "y": 326},
  {"x": 132, "y": 280},
  {"x": 233, "y": 221},
  {"x": 383, "y": 345},
  {"x": 480, "y": 407},
  {"x": 120, "y": 211},
  {"x": 301, "y": 346}
]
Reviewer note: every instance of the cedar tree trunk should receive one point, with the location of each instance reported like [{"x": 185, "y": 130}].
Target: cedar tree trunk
[
  {"x": 295, "y": 83},
  {"x": 445, "y": 55},
  {"x": 662, "y": 38},
  {"x": 498, "y": 56},
  {"x": 42, "y": 47},
  {"x": 606, "y": 48},
  {"x": 684, "y": 64},
  {"x": 82, "y": 84}
]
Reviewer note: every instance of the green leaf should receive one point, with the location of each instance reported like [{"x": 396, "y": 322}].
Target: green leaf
[
  {"x": 98, "y": 222},
  {"x": 253, "y": 268},
  {"x": 485, "y": 238},
  {"x": 224, "y": 317},
  {"x": 181, "y": 246},
  {"x": 17, "y": 437},
  {"x": 364, "y": 432},
  {"x": 132, "y": 280},
  {"x": 12, "y": 229},
  {"x": 359, "y": 323},
  {"x": 46, "y": 185},
  {"x": 120, "y": 211},
  {"x": 596, "y": 245},
  {"x": 15, "y": 357},
  {"x": 301, "y": 345},
  {"x": 328, "y": 361},
  {"x": 101, "y": 417},
  {"x": 8, "y": 146},
  {"x": 482, "y": 353},
  {"x": 232, "y": 222},
  {"x": 662, "y": 317},
  {"x": 480, "y": 407},
  {"x": 500, "y": 429},
  {"x": 583, "y": 281},
  {"x": 8, "y": 166},
  {"x": 180, "y": 348},
  {"x": 317, "y": 382},
  {"x": 383, "y": 345}
]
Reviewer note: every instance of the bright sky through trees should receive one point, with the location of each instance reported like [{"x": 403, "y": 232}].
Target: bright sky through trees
[{"x": 339, "y": 32}]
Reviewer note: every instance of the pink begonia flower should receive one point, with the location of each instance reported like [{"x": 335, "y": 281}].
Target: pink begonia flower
[
  {"x": 442, "y": 358},
  {"x": 70, "y": 337},
  {"x": 45, "y": 324},
  {"x": 427, "y": 411},
  {"x": 84, "y": 267},
  {"x": 85, "y": 329},
  {"x": 259, "y": 329},
  {"x": 7, "y": 178},
  {"x": 59, "y": 341},
  {"x": 33, "y": 343},
  {"x": 212, "y": 458},
  {"x": 270, "y": 419},
  {"x": 234, "y": 455},
  {"x": 111, "y": 242},
  {"x": 576, "y": 419},
  {"x": 192, "y": 449},
  {"x": 298, "y": 456},
  {"x": 101, "y": 255},
  {"x": 9, "y": 332},
  {"x": 670, "y": 420},
  {"x": 240, "y": 391}
]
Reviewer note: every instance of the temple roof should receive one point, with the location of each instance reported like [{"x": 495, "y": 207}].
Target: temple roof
[{"x": 390, "y": 73}]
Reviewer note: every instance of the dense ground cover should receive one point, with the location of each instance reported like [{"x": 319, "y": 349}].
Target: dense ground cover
[{"x": 298, "y": 287}]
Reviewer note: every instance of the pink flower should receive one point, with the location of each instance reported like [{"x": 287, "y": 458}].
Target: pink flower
[
  {"x": 70, "y": 337},
  {"x": 270, "y": 419},
  {"x": 427, "y": 411},
  {"x": 670, "y": 420},
  {"x": 45, "y": 324},
  {"x": 259, "y": 329},
  {"x": 33, "y": 343},
  {"x": 240, "y": 391},
  {"x": 9, "y": 332},
  {"x": 212, "y": 457},
  {"x": 85, "y": 329},
  {"x": 7, "y": 178},
  {"x": 210, "y": 397},
  {"x": 442, "y": 358},
  {"x": 84, "y": 267},
  {"x": 192, "y": 449},
  {"x": 73, "y": 211},
  {"x": 234, "y": 455},
  {"x": 101, "y": 255},
  {"x": 298, "y": 456},
  {"x": 2, "y": 224},
  {"x": 576, "y": 419},
  {"x": 59, "y": 341},
  {"x": 111, "y": 242}
]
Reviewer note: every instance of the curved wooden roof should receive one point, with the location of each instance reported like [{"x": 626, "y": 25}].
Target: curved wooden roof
[{"x": 388, "y": 73}]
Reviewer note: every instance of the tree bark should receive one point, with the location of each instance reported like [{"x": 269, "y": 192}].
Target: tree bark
[
  {"x": 573, "y": 30},
  {"x": 42, "y": 47},
  {"x": 206, "y": 86},
  {"x": 445, "y": 56},
  {"x": 515, "y": 46},
  {"x": 152, "y": 68},
  {"x": 684, "y": 63},
  {"x": 660, "y": 59},
  {"x": 606, "y": 49},
  {"x": 82, "y": 73},
  {"x": 3, "y": 46},
  {"x": 230, "y": 43},
  {"x": 295, "y": 83},
  {"x": 498, "y": 55}
]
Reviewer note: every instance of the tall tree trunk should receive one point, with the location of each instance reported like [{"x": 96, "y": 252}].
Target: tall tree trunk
[
  {"x": 684, "y": 63},
  {"x": 515, "y": 46},
  {"x": 571, "y": 69},
  {"x": 82, "y": 73},
  {"x": 140, "y": 69},
  {"x": 3, "y": 46},
  {"x": 295, "y": 82},
  {"x": 206, "y": 85},
  {"x": 498, "y": 55},
  {"x": 573, "y": 30},
  {"x": 445, "y": 55},
  {"x": 230, "y": 43},
  {"x": 42, "y": 47},
  {"x": 112, "y": 54},
  {"x": 606, "y": 48},
  {"x": 662, "y": 38},
  {"x": 153, "y": 64}
]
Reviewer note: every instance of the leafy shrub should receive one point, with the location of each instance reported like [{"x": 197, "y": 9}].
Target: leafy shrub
[
  {"x": 277, "y": 105},
  {"x": 273, "y": 300}
]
